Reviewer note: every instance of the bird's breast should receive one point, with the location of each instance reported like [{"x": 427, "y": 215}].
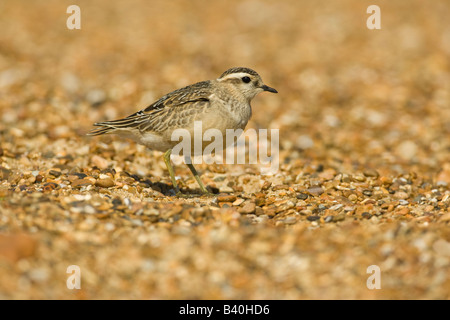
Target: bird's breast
[{"x": 231, "y": 113}]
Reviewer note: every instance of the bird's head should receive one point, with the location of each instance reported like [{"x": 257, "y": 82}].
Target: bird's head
[{"x": 246, "y": 81}]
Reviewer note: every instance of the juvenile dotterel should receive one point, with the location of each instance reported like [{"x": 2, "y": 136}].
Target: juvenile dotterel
[{"x": 220, "y": 104}]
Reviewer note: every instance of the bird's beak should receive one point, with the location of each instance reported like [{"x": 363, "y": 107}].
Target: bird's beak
[{"x": 267, "y": 88}]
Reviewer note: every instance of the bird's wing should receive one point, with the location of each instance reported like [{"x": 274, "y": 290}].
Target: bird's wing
[
  {"x": 194, "y": 97},
  {"x": 192, "y": 93}
]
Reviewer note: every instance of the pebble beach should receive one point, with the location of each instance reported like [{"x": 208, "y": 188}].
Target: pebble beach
[{"x": 364, "y": 152}]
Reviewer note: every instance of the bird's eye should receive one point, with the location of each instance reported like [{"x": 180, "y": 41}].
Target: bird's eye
[{"x": 246, "y": 79}]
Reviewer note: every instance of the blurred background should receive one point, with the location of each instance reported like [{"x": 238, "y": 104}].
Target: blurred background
[
  {"x": 368, "y": 96},
  {"x": 350, "y": 100}
]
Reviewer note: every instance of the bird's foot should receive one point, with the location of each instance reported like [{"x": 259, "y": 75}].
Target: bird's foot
[
  {"x": 180, "y": 194},
  {"x": 208, "y": 194},
  {"x": 203, "y": 193}
]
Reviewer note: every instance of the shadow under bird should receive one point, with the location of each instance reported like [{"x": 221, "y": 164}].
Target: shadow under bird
[{"x": 222, "y": 104}]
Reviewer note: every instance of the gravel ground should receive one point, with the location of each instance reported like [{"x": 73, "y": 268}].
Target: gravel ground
[{"x": 364, "y": 120}]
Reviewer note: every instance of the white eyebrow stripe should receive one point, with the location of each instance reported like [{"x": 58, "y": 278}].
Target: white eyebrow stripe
[{"x": 237, "y": 75}]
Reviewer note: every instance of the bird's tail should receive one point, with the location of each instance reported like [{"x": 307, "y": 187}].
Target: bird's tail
[
  {"x": 109, "y": 127},
  {"x": 102, "y": 130},
  {"x": 131, "y": 122}
]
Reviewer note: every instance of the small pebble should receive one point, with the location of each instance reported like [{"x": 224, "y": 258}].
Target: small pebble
[
  {"x": 105, "y": 183},
  {"x": 302, "y": 196},
  {"x": 248, "y": 208},
  {"x": 371, "y": 173},
  {"x": 226, "y": 189},
  {"x": 315, "y": 190},
  {"x": 226, "y": 198},
  {"x": 401, "y": 195}
]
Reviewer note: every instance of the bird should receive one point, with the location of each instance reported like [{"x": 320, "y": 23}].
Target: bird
[{"x": 222, "y": 103}]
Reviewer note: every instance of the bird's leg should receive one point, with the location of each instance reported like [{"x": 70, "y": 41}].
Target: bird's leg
[
  {"x": 170, "y": 168},
  {"x": 195, "y": 173}
]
